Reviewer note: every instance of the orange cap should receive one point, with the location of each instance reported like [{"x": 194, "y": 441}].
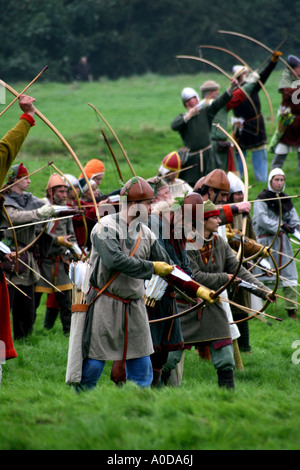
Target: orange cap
[{"x": 92, "y": 168}]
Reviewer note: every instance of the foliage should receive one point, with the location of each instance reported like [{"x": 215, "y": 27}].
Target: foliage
[{"x": 129, "y": 37}]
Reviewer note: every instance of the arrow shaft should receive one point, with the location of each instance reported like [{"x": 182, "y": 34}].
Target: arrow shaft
[
  {"x": 44, "y": 279},
  {"x": 23, "y": 91}
]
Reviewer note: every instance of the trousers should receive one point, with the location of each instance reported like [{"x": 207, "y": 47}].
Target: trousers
[
  {"x": 137, "y": 370},
  {"x": 23, "y": 310},
  {"x": 259, "y": 163}
]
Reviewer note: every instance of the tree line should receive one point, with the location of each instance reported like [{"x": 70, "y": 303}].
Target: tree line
[{"x": 132, "y": 37}]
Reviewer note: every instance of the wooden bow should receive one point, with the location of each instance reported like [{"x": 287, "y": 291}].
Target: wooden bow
[
  {"x": 212, "y": 64},
  {"x": 222, "y": 49},
  {"x": 246, "y": 178},
  {"x": 115, "y": 136},
  {"x": 113, "y": 155},
  {"x": 23, "y": 91},
  {"x": 274, "y": 238},
  {"x": 196, "y": 305},
  {"x": 259, "y": 43},
  {"x": 270, "y": 296},
  {"x": 66, "y": 144},
  {"x": 78, "y": 203},
  {"x": 14, "y": 237}
]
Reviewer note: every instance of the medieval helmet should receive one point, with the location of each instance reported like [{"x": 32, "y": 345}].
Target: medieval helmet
[
  {"x": 55, "y": 180},
  {"x": 137, "y": 189},
  {"x": 217, "y": 179},
  {"x": 192, "y": 200},
  {"x": 170, "y": 163},
  {"x": 188, "y": 93},
  {"x": 199, "y": 183},
  {"x": 209, "y": 85}
]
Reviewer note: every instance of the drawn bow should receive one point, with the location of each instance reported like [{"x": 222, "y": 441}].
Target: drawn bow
[
  {"x": 259, "y": 43},
  {"x": 215, "y": 295},
  {"x": 270, "y": 296},
  {"x": 222, "y": 49},
  {"x": 65, "y": 143},
  {"x": 115, "y": 136},
  {"x": 78, "y": 203},
  {"x": 212, "y": 64}
]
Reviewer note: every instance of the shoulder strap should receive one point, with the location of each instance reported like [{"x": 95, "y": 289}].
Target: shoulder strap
[{"x": 116, "y": 274}]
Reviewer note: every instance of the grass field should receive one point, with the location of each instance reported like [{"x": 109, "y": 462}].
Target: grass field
[{"x": 38, "y": 411}]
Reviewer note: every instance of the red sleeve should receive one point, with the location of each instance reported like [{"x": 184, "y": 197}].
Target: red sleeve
[
  {"x": 28, "y": 118},
  {"x": 228, "y": 213},
  {"x": 238, "y": 97}
]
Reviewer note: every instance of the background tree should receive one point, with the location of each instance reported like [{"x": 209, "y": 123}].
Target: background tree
[{"x": 132, "y": 37}]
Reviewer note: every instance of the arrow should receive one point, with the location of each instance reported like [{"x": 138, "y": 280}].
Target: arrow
[{"x": 22, "y": 92}]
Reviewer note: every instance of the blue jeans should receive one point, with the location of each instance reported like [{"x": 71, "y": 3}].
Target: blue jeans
[
  {"x": 137, "y": 370},
  {"x": 259, "y": 163}
]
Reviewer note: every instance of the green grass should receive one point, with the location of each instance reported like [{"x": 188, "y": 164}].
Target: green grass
[{"x": 38, "y": 410}]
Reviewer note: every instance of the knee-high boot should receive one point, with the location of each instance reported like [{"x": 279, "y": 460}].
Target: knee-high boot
[
  {"x": 156, "y": 377},
  {"x": 226, "y": 378},
  {"x": 278, "y": 160}
]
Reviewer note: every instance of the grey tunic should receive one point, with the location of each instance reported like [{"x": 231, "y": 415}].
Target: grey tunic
[
  {"x": 265, "y": 224},
  {"x": 55, "y": 266},
  {"x": 213, "y": 324},
  {"x": 22, "y": 209},
  {"x": 104, "y": 334}
]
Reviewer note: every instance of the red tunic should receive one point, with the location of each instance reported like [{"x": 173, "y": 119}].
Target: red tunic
[{"x": 291, "y": 99}]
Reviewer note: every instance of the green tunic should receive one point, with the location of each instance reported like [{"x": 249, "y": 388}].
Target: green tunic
[
  {"x": 213, "y": 324},
  {"x": 195, "y": 135}
]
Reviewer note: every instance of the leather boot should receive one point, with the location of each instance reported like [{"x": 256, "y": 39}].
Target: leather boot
[
  {"x": 156, "y": 377},
  {"x": 292, "y": 314},
  {"x": 226, "y": 378}
]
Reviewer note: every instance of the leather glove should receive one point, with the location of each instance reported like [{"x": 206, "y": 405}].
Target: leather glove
[
  {"x": 204, "y": 293},
  {"x": 45, "y": 211},
  {"x": 229, "y": 234},
  {"x": 62, "y": 242},
  {"x": 275, "y": 56},
  {"x": 191, "y": 113},
  {"x": 162, "y": 269},
  {"x": 266, "y": 252},
  {"x": 288, "y": 228}
]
